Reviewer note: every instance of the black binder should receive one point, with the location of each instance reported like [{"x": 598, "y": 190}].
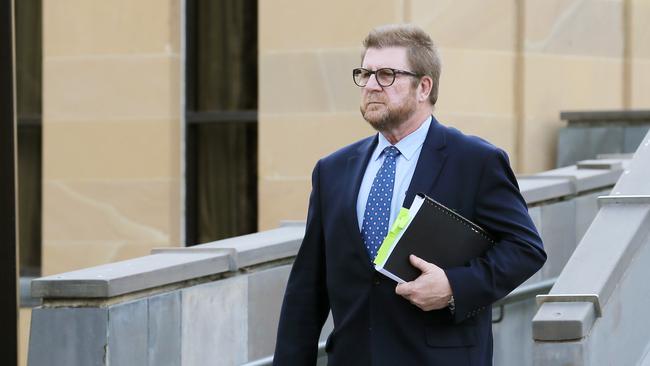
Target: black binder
[{"x": 434, "y": 233}]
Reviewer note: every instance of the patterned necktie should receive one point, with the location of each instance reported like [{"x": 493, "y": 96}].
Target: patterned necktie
[{"x": 377, "y": 214}]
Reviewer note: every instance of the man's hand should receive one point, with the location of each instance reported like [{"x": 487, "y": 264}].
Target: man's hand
[{"x": 430, "y": 291}]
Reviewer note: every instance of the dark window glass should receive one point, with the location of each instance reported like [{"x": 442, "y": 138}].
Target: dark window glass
[
  {"x": 221, "y": 99},
  {"x": 28, "y": 100}
]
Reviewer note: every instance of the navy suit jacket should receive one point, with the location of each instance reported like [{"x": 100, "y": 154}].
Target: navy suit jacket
[{"x": 373, "y": 325}]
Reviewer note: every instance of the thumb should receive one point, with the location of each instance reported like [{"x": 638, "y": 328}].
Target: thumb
[
  {"x": 421, "y": 264},
  {"x": 403, "y": 289}
]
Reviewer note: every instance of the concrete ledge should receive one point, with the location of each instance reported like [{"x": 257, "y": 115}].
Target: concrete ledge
[
  {"x": 171, "y": 265},
  {"x": 563, "y": 321},
  {"x": 536, "y": 189},
  {"x": 606, "y": 164},
  {"x": 592, "y": 298},
  {"x": 613, "y": 116},
  {"x": 633, "y": 199},
  {"x": 132, "y": 275},
  {"x": 586, "y": 176},
  {"x": 264, "y": 246}
]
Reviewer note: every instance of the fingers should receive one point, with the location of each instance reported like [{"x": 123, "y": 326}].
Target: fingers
[
  {"x": 410, "y": 293},
  {"x": 407, "y": 291},
  {"x": 430, "y": 291}
]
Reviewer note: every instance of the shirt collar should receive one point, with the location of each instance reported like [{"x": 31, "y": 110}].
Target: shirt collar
[{"x": 407, "y": 146}]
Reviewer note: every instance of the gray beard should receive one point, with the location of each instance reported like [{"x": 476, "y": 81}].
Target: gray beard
[{"x": 392, "y": 118}]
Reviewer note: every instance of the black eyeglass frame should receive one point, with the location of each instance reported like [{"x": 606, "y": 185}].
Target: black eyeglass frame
[{"x": 370, "y": 73}]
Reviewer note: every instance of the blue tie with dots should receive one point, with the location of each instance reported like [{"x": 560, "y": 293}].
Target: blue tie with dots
[{"x": 377, "y": 214}]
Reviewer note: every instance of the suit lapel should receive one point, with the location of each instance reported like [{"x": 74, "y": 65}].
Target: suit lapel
[
  {"x": 430, "y": 163},
  {"x": 355, "y": 170}
]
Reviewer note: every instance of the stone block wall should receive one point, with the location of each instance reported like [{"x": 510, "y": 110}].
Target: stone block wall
[{"x": 111, "y": 130}]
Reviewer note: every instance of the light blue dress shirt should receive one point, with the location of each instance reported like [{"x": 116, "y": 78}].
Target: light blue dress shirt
[{"x": 410, "y": 148}]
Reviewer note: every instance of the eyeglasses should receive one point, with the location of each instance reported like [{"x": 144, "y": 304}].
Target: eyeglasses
[{"x": 384, "y": 76}]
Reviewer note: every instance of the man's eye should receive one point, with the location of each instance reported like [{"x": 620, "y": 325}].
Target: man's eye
[{"x": 385, "y": 74}]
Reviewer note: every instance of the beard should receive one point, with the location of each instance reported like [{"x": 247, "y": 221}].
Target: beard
[{"x": 385, "y": 117}]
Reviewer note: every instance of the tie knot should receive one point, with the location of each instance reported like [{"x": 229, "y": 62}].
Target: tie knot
[{"x": 391, "y": 151}]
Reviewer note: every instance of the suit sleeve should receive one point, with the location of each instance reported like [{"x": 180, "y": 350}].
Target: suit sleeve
[
  {"x": 306, "y": 304},
  {"x": 518, "y": 254}
]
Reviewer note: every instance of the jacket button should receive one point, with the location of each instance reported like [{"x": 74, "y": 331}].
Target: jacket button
[{"x": 376, "y": 280}]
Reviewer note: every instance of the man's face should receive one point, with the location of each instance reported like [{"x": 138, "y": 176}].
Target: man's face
[{"x": 385, "y": 108}]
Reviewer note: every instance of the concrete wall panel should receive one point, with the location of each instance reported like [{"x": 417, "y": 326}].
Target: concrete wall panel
[
  {"x": 165, "y": 336},
  {"x": 215, "y": 323},
  {"x": 128, "y": 334},
  {"x": 68, "y": 336}
]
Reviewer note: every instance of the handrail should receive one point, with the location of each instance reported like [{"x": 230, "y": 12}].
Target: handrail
[
  {"x": 523, "y": 293},
  {"x": 518, "y": 294},
  {"x": 526, "y": 292}
]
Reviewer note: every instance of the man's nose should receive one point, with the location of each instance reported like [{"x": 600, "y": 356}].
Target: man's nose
[{"x": 372, "y": 83}]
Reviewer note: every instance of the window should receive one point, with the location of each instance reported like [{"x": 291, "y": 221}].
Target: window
[{"x": 221, "y": 115}]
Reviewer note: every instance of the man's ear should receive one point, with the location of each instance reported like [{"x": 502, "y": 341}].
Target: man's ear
[{"x": 424, "y": 88}]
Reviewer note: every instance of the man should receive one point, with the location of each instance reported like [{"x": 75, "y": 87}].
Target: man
[{"x": 443, "y": 317}]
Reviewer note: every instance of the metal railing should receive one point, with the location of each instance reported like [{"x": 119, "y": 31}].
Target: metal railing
[
  {"x": 519, "y": 294},
  {"x": 522, "y": 293}
]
